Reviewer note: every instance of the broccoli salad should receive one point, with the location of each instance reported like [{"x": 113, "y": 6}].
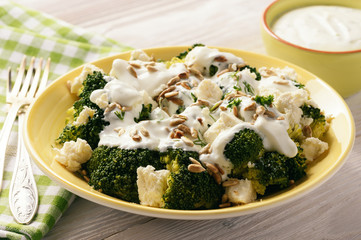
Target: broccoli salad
[{"x": 203, "y": 130}]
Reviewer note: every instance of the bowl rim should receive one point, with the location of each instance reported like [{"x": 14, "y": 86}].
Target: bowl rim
[
  {"x": 250, "y": 208},
  {"x": 268, "y": 29}
]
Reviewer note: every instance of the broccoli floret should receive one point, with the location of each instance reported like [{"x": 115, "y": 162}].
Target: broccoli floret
[
  {"x": 88, "y": 131},
  {"x": 92, "y": 82},
  {"x": 318, "y": 125},
  {"x": 275, "y": 170},
  {"x": 114, "y": 171},
  {"x": 246, "y": 146},
  {"x": 188, "y": 190}
]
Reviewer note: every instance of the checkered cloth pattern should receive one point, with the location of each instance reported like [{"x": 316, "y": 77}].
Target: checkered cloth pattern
[{"x": 24, "y": 31}]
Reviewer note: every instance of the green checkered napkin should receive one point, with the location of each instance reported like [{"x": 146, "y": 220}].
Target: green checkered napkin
[{"x": 27, "y": 32}]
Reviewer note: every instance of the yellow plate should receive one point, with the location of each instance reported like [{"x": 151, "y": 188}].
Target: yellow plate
[{"x": 46, "y": 118}]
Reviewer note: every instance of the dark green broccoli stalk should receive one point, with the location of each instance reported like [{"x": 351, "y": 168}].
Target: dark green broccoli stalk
[
  {"x": 90, "y": 130},
  {"x": 185, "y": 53},
  {"x": 144, "y": 113},
  {"x": 246, "y": 146},
  {"x": 114, "y": 170},
  {"x": 188, "y": 190},
  {"x": 318, "y": 125}
]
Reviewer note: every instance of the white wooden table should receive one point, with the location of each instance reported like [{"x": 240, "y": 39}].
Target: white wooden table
[{"x": 332, "y": 211}]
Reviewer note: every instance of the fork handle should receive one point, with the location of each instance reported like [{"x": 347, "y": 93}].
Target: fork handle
[
  {"x": 4, "y": 137},
  {"x": 23, "y": 194}
]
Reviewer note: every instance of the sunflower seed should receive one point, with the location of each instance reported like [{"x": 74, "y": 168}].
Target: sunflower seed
[
  {"x": 185, "y": 85},
  {"x": 225, "y": 205},
  {"x": 194, "y": 161},
  {"x": 151, "y": 68},
  {"x": 205, "y": 149},
  {"x": 269, "y": 114},
  {"x": 173, "y": 81},
  {"x": 223, "y": 72},
  {"x": 307, "y": 131},
  {"x": 260, "y": 110},
  {"x": 183, "y": 75},
  {"x": 194, "y": 133},
  {"x": 187, "y": 141},
  {"x": 251, "y": 107},
  {"x": 144, "y": 131},
  {"x": 184, "y": 128},
  {"x": 220, "y": 59},
  {"x": 177, "y": 101},
  {"x": 136, "y": 138},
  {"x": 230, "y": 182},
  {"x": 211, "y": 167},
  {"x": 195, "y": 168},
  {"x": 219, "y": 169},
  {"x": 135, "y": 65},
  {"x": 171, "y": 94},
  {"x": 132, "y": 71},
  {"x": 176, "y": 121}
]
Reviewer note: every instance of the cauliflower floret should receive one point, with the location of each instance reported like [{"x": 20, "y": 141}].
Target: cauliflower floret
[
  {"x": 241, "y": 193},
  {"x": 313, "y": 148},
  {"x": 289, "y": 103},
  {"x": 151, "y": 185},
  {"x": 102, "y": 101},
  {"x": 139, "y": 54},
  {"x": 73, "y": 154},
  {"x": 209, "y": 90},
  {"x": 225, "y": 121},
  {"x": 77, "y": 83},
  {"x": 84, "y": 116}
]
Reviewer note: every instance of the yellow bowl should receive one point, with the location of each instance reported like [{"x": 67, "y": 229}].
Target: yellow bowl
[
  {"x": 46, "y": 118},
  {"x": 342, "y": 70}
]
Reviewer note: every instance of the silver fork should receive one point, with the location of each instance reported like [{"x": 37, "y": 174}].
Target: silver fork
[{"x": 23, "y": 195}]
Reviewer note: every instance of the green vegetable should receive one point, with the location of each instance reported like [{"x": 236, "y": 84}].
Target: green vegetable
[
  {"x": 274, "y": 170},
  {"x": 185, "y": 53},
  {"x": 120, "y": 114},
  {"x": 187, "y": 190},
  {"x": 90, "y": 130},
  {"x": 114, "y": 170},
  {"x": 318, "y": 125},
  {"x": 212, "y": 70},
  {"x": 234, "y": 102},
  {"x": 246, "y": 146},
  {"x": 252, "y": 70},
  {"x": 248, "y": 88},
  {"x": 144, "y": 113},
  {"x": 180, "y": 109},
  {"x": 264, "y": 100}
]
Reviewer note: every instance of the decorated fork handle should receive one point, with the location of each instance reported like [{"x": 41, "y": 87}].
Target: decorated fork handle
[{"x": 23, "y": 195}]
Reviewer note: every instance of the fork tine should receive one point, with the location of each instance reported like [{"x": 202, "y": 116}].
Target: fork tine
[
  {"x": 35, "y": 82},
  {"x": 44, "y": 79},
  {"x": 29, "y": 75},
  {"x": 19, "y": 78}
]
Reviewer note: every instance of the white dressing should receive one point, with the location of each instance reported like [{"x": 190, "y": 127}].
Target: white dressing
[{"x": 327, "y": 28}]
